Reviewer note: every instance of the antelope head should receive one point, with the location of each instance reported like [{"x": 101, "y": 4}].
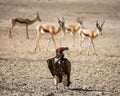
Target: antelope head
[
  {"x": 62, "y": 24},
  {"x": 80, "y": 21},
  {"x": 38, "y": 17},
  {"x": 100, "y": 27}
]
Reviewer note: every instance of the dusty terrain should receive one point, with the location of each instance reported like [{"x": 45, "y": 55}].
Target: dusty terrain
[{"x": 25, "y": 73}]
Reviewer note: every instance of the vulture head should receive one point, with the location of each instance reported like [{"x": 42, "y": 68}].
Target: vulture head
[{"x": 60, "y": 50}]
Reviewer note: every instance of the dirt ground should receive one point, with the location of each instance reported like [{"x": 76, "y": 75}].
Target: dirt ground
[{"x": 25, "y": 73}]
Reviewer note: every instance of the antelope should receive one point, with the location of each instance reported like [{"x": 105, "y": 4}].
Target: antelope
[
  {"x": 91, "y": 34},
  {"x": 51, "y": 30},
  {"x": 60, "y": 71},
  {"x": 23, "y": 21},
  {"x": 73, "y": 28}
]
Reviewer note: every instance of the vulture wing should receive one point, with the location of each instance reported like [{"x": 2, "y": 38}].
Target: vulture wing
[
  {"x": 51, "y": 66},
  {"x": 67, "y": 70}
]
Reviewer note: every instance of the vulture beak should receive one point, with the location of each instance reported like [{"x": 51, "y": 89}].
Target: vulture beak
[
  {"x": 66, "y": 48},
  {"x": 61, "y": 49}
]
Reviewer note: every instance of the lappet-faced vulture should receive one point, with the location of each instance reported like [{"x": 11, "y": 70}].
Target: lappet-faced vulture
[{"x": 60, "y": 67}]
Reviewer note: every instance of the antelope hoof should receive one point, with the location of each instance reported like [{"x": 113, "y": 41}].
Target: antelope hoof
[
  {"x": 43, "y": 50},
  {"x": 56, "y": 88},
  {"x": 88, "y": 54},
  {"x": 80, "y": 52},
  {"x": 35, "y": 50},
  {"x": 10, "y": 37},
  {"x": 28, "y": 37},
  {"x": 95, "y": 53}
]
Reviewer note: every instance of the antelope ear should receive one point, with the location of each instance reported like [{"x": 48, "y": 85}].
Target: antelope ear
[
  {"x": 37, "y": 13},
  {"x": 77, "y": 19},
  {"x": 82, "y": 17}
]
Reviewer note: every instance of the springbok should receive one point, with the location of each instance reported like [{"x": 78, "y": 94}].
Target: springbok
[
  {"x": 73, "y": 29},
  {"x": 22, "y": 21},
  {"x": 51, "y": 30},
  {"x": 61, "y": 69},
  {"x": 83, "y": 33}
]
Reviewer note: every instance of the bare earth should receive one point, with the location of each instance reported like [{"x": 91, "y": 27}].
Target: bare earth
[{"x": 25, "y": 73}]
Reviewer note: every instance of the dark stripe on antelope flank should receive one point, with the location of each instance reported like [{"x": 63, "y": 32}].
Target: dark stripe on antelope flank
[
  {"x": 45, "y": 30},
  {"x": 85, "y": 34}
]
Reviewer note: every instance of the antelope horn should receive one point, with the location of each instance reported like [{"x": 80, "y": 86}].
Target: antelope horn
[
  {"x": 63, "y": 19},
  {"x": 37, "y": 13},
  {"x": 102, "y": 23},
  {"x": 97, "y": 24},
  {"x": 58, "y": 18},
  {"x": 79, "y": 18}
]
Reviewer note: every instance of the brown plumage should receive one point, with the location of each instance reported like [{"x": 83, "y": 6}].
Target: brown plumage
[{"x": 61, "y": 69}]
